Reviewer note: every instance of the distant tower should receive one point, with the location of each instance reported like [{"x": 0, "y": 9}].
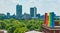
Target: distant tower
[
  {"x": 38, "y": 15},
  {"x": 8, "y": 15},
  {"x": 33, "y": 12},
  {"x": 18, "y": 11}
]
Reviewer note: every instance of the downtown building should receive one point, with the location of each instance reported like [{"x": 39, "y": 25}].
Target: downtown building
[
  {"x": 2, "y": 16},
  {"x": 33, "y": 12},
  {"x": 26, "y": 16},
  {"x": 8, "y": 15},
  {"x": 18, "y": 11}
]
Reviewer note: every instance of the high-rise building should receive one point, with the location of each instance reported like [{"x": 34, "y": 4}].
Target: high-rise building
[
  {"x": 2, "y": 16},
  {"x": 8, "y": 15},
  {"x": 38, "y": 15},
  {"x": 18, "y": 11},
  {"x": 33, "y": 12}
]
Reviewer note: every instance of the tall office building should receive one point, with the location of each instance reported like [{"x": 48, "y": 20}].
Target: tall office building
[
  {"x": 8, "y": 15},
  {"x": 18, "y": 11},
  {"x": 33, "y": 12}
]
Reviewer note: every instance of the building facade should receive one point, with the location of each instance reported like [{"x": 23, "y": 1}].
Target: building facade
[
  {"x": 8, "y": 15},
  {"x": 56, "y": 28},
  {"x": 33, "y": 12},
  {"x": 50, "y": 25},
  {"x": 2, "y": 16},
  {"x": 18, "y": 11},
  {"x": 26, "y": 16},
  {"x": 38, "y": 15}
]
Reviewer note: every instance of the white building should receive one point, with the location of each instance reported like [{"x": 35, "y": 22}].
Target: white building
[{"x": 33, "y": 31}]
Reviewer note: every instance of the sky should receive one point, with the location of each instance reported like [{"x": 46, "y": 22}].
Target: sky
[{"x": 43, "y": 6}]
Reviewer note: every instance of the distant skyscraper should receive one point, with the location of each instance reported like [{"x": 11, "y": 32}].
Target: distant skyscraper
[
  {"x": 33, "y": 12},
  {"x": 38, "y": 15},
  {"x": 18, "y": 11},
  {"x": 2, "y": 16},
  {"x": 8, "y": 15}
]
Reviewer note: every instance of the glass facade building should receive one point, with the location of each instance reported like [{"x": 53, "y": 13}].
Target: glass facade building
[
  {"x": 18, "y": 11},
  {"x": 33, "y": 12}
]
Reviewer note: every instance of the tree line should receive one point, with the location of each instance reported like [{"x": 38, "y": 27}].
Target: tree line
[{"x": 21, "y": 26}]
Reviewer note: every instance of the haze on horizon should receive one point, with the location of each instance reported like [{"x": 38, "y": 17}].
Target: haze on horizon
[{"x": 42, "y": 6}]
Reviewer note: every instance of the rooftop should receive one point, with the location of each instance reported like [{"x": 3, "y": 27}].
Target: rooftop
[
  {"x": 54, "y": 28},
  {"x": 33, "y": 31}
]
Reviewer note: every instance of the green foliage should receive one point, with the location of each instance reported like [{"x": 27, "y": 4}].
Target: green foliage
[
  {"x": 20, "y": 30},
  {"x": 20, "y": 26}
]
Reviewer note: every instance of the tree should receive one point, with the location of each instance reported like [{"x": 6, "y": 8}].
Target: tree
[
  {"x": 20, "y": 30},
  {"x": 2, "y": 25}
]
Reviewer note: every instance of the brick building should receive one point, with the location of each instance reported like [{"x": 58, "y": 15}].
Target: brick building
[
  {"x": 50, "y": 25},
  {"x": 56, "y": 28}
]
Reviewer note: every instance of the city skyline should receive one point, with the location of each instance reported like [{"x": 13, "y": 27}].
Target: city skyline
[{"x": 42, "y": 6}]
